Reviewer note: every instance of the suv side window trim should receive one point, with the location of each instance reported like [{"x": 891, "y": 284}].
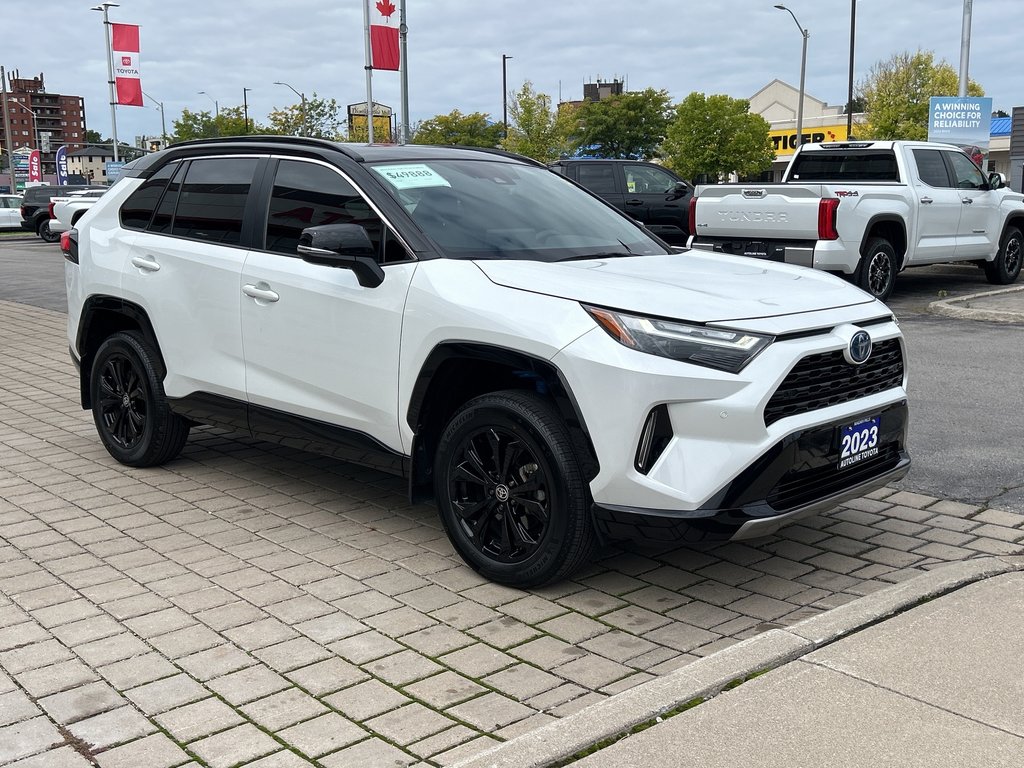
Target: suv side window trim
[{"x": 267, "y": 184}]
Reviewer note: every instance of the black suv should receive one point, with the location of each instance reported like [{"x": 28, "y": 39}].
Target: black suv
[
  {"x": 35, "y": 207},
  {"x": 646, "y": 191}
]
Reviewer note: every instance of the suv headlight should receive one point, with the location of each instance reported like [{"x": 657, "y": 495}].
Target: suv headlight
[{"x": 711, "y": 347}]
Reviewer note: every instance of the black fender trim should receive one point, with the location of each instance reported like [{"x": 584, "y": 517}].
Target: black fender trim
[{"x": 887, "y": 218}]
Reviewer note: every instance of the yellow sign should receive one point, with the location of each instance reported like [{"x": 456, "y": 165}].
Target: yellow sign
[
  {"x": 357, "y": 130},
  {"x": 784, "y": 141}
]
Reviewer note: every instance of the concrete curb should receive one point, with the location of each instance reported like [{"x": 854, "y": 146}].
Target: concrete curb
[
  {"x": 949, "y": 308},
  {"x": 707, "y": 677}
]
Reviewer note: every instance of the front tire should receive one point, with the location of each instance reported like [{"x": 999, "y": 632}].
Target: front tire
[
  {"x": 129, "y": 407},
  {"x": 877, "y": 270},
  {"x": 43, "y": 230},
  {"x": 511, "y": 491},
  {"x": 1005, "y": 269}
]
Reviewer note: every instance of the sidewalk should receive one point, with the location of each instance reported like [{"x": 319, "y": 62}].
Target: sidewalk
[
  {"x": 937, "y": 684},
  {"x": 1005, "y": 305}
]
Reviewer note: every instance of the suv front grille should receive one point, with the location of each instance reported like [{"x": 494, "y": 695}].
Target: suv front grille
[
  {"x": 825, "y": 379},
  {"x": 802, "y": 487}
]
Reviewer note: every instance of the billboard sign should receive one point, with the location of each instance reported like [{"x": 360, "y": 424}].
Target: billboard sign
[{"x": 966, "y": 122}]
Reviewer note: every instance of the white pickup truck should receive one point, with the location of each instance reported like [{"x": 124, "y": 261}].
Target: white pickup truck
[
  {"x": 868, "y": 210},
  {"x": 66, "y": 211}
]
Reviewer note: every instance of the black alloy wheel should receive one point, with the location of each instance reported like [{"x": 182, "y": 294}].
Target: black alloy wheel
[
  {"x": 511, "y": 491},
  {"x": 43, "y": 230},
  {"x": 876, "y": 273},
  {"x": 123, "y": 401},
  {"x": 1005, "y": 269},
  {"x": 501, "y": 494}
]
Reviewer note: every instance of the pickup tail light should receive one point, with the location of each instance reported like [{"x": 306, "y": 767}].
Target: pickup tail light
[
  {"x": 69, "y": 245},
  {"x": 827, "y": 209},
  {"x": 50, "y": 209},
  {"x": 691, "y": 216}
]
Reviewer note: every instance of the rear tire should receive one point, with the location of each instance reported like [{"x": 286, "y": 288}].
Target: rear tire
[
  {"x": 877, "y": 270},
  {"x": 1005, "y": 269},
  {"x": 43, "y": 230},
  {"x": 129, "y": 407},
  {"x": 511, "y": 490}
]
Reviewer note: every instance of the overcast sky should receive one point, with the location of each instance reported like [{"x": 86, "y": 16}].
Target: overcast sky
[{"x": 455, "y": 49}]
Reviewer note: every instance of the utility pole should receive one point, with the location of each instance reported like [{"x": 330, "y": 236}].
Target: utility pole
[
  {"x": 245, "y": 107},
  {"x": 849, "y": 98},
  {"x": 403, "y": 33},
  {"x": 504, "y": 95},
  {"x": 965, "y": 48},
  {"x": 7, "y": 131}
]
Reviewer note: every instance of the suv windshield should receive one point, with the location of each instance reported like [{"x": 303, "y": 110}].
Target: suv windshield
[{"x": 492, "y": 209}]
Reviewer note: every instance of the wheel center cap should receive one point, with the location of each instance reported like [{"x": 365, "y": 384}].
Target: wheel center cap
[
  {"x": 126, "y": 401},
  {"x": 501, "y": 493}
]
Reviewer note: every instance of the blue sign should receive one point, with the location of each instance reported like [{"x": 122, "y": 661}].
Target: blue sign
[
  {"x": 966, "y": 122},
  {"x": 62, "y": 166},
  {"x": 113, "y": 170}
]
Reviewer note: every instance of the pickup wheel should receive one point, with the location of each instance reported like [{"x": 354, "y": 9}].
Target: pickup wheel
[
  {"x": 43, "y": 230},
  {"x": 129, "y": 406},
  {"x": 511, "y": 492},
  {"x": 876, "y": 273},
  {"x": 1005, "y": 268}
]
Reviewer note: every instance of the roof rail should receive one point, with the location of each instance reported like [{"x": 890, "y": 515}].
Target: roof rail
[{"x": 276, "y": 138}]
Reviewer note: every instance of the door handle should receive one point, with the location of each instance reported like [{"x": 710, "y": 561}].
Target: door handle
[
  {"x": 634, "y": 201},
  {"x": 260, "y": 292},
  {"x": 145, "y": 262},
  {"x": 927, "y": 200},
  {"x": 967, "y": 200}
]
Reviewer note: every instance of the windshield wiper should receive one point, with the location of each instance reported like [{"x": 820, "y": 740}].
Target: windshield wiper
[{"x": 605, "y": 255}]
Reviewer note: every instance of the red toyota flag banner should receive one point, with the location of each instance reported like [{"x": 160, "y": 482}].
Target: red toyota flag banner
[
  {"x": 384, "y": 37},
  {"x": 125, "y": 46}
]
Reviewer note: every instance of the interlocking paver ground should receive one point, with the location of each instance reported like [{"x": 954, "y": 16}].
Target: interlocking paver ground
[{"x": 247, "y": 592}]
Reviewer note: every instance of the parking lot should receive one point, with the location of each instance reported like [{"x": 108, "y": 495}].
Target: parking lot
[{"x": 248, "y": 600}]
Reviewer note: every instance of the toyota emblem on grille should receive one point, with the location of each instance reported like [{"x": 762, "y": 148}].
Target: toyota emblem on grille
[{"x": 860, "y": 348}]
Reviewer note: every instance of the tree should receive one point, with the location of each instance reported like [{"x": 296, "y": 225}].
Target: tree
[
  {"x": 627, "y": 125},
  {"x": 896, "y": 93},
  {"x": 94, "y": 137},
  {"x": 229, "y": 121},
  {"x": 473, "y": 130},
  {"x": 535, "y": 130},
  {"x": 322, "y": 118},
  {"x": 716, "y": 135}
]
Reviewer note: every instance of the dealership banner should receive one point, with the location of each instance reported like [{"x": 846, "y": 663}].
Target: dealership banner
[
  {"x": 966, "y": 122},
  {"x": 35, "y": 167},
  {"x": 62, "y": 166},
  {"x": 125, "y": 45},
  {"x": 384, "y": 51}
]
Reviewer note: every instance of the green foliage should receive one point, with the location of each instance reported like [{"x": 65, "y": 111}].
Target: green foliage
[
  {"x": 628, "y": 125},
  {"x": 323, "y": 119},
  {"x": 473, "y": 130},
  {"x": 94, "y": 137},
  {"x": 896, "y": 94},
  {"x": 535, "y": 129},
  {"x": 716, "y": 135}
]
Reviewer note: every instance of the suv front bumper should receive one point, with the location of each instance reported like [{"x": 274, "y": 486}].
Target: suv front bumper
[{"x": 797, "y": 477}]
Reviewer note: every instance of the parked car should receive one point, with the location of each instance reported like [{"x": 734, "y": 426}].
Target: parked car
[
  {"x": 867, "y": 210},
  {"x": 535, "y": 362},
  {"x": 646, "y": 191},
  {"x": 10, "y": 211},
  {"x": 66, "y": 211},
  {"x": 35, "y": 210}
]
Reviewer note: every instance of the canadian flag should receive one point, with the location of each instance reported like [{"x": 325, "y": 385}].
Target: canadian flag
[
  {"x": 125, "y": 46},
  {"x": 383, "y": 37}
]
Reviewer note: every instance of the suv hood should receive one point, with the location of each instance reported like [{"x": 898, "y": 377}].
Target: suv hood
[{"x": 684, "y": 286}]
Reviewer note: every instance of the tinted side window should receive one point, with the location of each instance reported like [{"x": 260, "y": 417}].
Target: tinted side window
[
  {"x": 643, "y": 178},
  {"x": 930, "y": 168},
  {"x": 164, "y": 216},
  {"x": 597, "y": 177},
  {"x": 138, "y": 209},
  {"x": 307, "y": 195},
  {"x": 968, "y": 175},
  {"x": 212, "y": 199}
]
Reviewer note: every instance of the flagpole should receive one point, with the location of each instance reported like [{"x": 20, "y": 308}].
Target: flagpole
[
  {"x": 7, "y": 133},
  {"x": 110, "y": 73},
  {"x": 403, "y": 31},
  {"x": 369, "y": 74}
]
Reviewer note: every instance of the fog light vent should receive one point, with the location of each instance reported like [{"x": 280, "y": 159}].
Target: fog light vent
[{"x": 654, "y": 439}]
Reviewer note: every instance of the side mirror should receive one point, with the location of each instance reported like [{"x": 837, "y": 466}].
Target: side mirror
[
  {"x": 346, "y": 246},
  {"x": 996, "y": 180},
  {"x": 680, "y": 189}
]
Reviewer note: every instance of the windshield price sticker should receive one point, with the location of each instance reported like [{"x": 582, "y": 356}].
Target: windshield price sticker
[
  {"x": 859, "y": 441},
  {"x": 412, "y": 176}
]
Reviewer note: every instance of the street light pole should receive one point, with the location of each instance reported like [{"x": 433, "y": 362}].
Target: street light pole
[
  {"x": 7, "y": 132},
  {"x": 302, "y": 96},
  {"x": 803, "y": 71},
  {"x": 849, "y": 99},
  {"x": 965, "y": 48},
  {"x": 163, "y": 124},
  {"x": 245, "y": 107},
  {"x": 110, "y": 70},
  {"x": 504, "y": 95},
  {"x": 216, "y": 112}
]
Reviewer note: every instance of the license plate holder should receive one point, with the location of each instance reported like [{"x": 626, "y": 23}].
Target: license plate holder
[
  {"x": 756, "y": 250},
  {"x": 859, "y": 441}
]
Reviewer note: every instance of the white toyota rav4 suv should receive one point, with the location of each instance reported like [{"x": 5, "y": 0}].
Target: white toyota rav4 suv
[{"x": 541, "y": 365}]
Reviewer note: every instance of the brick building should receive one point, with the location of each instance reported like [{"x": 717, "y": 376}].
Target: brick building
[{"x": 38, "y": 117}]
